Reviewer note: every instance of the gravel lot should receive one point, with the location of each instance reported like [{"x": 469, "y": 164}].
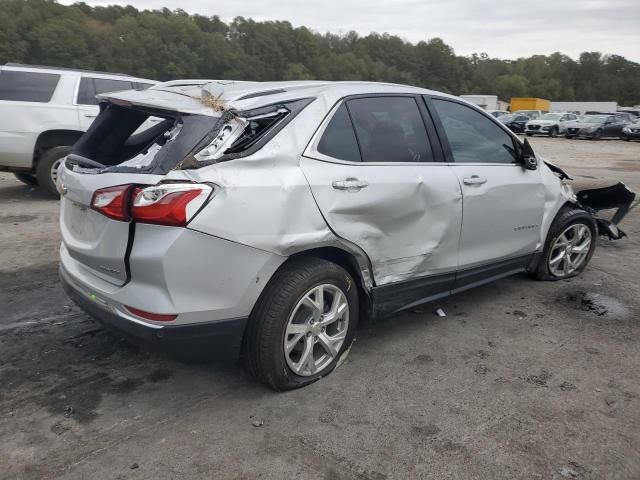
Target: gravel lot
[{"x": 521, "y": 379}]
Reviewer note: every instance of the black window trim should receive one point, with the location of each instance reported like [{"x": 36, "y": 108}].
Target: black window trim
[
  {"x": 131, "y": 81},
  {"x": 444, "y": 141},
  {"x": 53, "y": 92},
  {"x": 311, "y": 151}
]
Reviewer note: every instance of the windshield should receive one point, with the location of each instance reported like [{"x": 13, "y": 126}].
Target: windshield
[
  {"x": 508, "y": 118},
  {"x": 551, "y": 116},
  {"x": 594, "y": 118}
]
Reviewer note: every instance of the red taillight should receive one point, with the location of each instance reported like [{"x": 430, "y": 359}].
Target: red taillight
[
  {"x": 156, "y": 317},
  {"x": 113, "y": 202},
  {"x": 166, "y": 204}
]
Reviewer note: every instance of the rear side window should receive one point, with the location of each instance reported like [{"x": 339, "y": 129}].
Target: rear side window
[
  {"x": 474, "y": 138},
  {"x": 339, "y": 139},
  {"x": 390, "y": 129},
  {"x": 27, "y": 86},
  {"x": 90, "y": 87}
]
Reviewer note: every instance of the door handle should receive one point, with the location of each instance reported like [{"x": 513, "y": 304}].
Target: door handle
[
  {"x": 474, "y": 180},
  {"x": 91, "y": 115},
  {"x": 350, "y": 184}
]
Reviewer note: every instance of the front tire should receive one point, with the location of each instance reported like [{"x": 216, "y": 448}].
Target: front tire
[
  {"x": 553, "y": 133},
  {"x": 569, "y": 247},
  {"x": 47, "y": 169},
  {"x": 302, "y": 324},
  {"x": 597, "y": 135}
]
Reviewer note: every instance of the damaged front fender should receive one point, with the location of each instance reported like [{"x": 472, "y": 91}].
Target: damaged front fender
[{"x": 618, "y": 196}]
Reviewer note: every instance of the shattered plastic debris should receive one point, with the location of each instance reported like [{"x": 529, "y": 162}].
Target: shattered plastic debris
[
  {"x": 257, "y": 423},
  {"x": 440, "y": 313}
]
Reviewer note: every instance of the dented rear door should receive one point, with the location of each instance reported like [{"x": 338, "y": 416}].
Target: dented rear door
[{"x": 384, "y": 191}]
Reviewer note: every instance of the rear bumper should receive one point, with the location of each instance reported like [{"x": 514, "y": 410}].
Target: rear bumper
[{"x": 219, "y": 340}]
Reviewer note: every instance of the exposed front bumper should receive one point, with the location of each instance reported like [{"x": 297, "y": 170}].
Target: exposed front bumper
[
  {"x": 216, "y": 340},
  {"x": 618, "y": 197}
]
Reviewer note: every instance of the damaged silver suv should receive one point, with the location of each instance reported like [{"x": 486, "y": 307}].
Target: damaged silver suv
[{"x": 265, "y": 219}]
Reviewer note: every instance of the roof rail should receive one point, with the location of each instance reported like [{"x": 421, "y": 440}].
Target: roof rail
[{"x": 44, "y": 67}]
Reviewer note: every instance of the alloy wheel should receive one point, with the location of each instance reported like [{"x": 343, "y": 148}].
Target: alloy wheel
[
  {"x": 316, "y": 330},
  {"x": 54, "y": 171},
  {"x": 570, "y": 250}
]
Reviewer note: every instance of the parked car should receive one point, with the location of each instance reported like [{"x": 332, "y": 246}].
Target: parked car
[
  {"x": 43, "y": 111},
  {"x": 515, "y": 122},
  {"x": 266, "y": 219},
  {"x": 532, "y": 114},
  {"x": 596, "y": 127},
  {"x": 633, "y": 111},
  {"x": 626, "y": 116},
  {"x": 631, "y": 131},
  {"x": 550, "y": 124}
]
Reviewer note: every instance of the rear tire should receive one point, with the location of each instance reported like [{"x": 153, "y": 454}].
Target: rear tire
[
  {"x": 284, "y": 317},
  {"x": 27, "y": 179},
  {"x": 529, "y": 134},
  {"x": 566, "y": 252},
  {"x": 46, "y": 171}
]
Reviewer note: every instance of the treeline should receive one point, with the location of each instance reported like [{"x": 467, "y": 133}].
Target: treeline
[{"x": 164, "y": 44}]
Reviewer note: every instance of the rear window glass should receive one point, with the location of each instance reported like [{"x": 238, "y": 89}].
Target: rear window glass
[
  {"x": 390, "y": 129},
  {"x": 339, "y": 139},
  {"x": 90, "y": 87},
  {"x": 27, "y": 86}
]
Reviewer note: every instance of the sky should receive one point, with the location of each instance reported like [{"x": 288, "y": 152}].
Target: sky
[{"x": 505, "y": 29}]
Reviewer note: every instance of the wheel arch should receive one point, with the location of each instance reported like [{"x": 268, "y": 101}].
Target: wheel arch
[
  {"x": 54, "y": 138},
  {"x": 347, "y": 260}
]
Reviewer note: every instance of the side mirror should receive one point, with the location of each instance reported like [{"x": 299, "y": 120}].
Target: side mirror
[{"x": 528, "y": 156}]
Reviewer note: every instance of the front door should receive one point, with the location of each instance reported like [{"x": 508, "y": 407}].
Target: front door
[
  {"x": 503, "y": 203},
  {"x": 373, "y": 173}
]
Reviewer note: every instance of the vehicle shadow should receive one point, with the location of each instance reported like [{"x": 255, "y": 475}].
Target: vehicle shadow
[{"x": 10, "y": 190}]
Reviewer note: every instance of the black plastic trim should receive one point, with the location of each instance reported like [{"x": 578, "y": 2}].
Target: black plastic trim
[
  {"x": 472, "y": 277},
  {"x": 398, "y": 296},
  {"x": 216, "y": 340}
]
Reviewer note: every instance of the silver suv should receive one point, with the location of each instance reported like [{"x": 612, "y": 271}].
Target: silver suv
[
  {"x": 43, "y": 111},
  {"x": 266, "y": 219}
]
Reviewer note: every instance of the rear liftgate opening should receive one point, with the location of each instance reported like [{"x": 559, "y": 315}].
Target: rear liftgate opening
[
  {"x": 133, "y": 139},
  {"x": 618, "y": 197}
]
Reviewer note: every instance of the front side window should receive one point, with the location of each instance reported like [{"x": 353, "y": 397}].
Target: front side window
[
  {"x": 390, "y": 129},
  {"x": 27, "y": 86},
  {"x": 473, "y": 137}
]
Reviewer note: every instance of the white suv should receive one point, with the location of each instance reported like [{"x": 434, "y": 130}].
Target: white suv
[{"x": 43, "y": 111}]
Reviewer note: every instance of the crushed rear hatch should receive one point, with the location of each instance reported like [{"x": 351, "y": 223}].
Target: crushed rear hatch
[{"x": 145, "y": 138}]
